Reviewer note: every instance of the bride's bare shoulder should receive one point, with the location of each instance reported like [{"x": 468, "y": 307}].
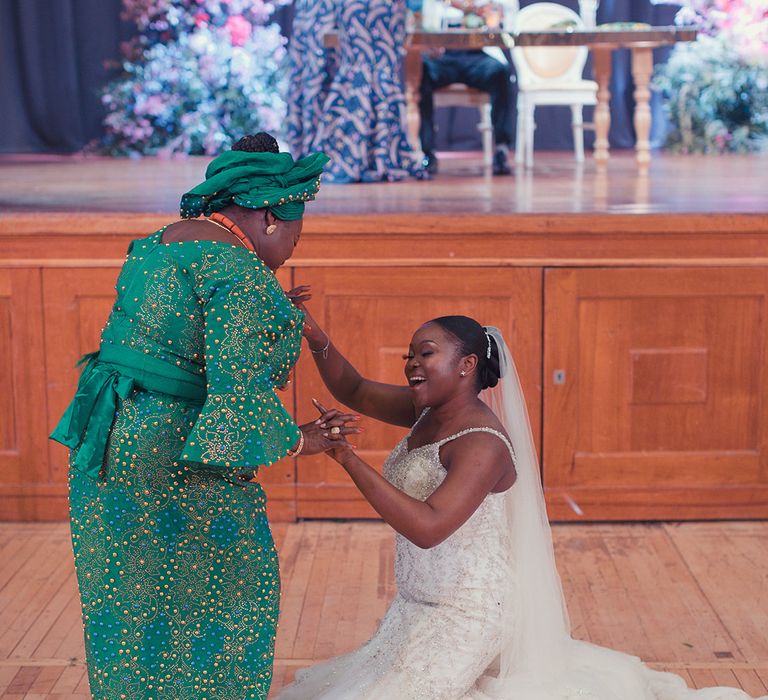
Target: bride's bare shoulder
[{"x": 484, "y": 417}]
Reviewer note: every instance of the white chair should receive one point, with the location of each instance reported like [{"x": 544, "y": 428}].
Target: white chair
[
  {"x": 549, "y": 75},
  {"x": 459, "y": 95}
]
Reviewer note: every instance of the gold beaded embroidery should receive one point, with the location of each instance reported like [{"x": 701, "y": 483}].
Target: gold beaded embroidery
[{"x": 177, "y": 570}]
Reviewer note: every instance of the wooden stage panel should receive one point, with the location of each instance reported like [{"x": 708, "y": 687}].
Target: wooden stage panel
[
  {"x": 664, "y": 391},
  {"x": 24, "y": 464},
  {"x": 686, "y": 598},
  {"x": 76, "y": 303}
]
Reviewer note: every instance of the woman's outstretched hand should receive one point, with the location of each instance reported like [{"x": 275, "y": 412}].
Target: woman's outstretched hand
[{"x": 299, "y": 296}]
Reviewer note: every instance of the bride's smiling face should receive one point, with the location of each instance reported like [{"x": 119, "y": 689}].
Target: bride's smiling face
[{"x": 433, "y": 365}]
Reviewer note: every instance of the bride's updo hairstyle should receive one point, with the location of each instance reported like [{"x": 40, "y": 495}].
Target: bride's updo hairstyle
[{"x": 474, "y": 341}]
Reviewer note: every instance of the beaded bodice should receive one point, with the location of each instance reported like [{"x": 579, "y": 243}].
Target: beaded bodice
[{"x": 471, "y": 565}]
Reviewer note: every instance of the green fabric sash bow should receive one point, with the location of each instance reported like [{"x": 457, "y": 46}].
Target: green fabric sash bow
[
  {"x": 109, "y": 375},
  {"x": 256, "y": 181}
]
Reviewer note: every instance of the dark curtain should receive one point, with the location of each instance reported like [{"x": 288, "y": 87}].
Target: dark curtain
[{"x": 53, "y": 55}]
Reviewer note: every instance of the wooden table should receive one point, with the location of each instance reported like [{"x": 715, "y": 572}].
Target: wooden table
[{"x": 601, "y": 42}]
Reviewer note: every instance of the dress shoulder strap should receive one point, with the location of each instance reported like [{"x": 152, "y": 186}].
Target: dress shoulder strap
[
  {"x": 418, "y": 420},
  {"x": 486, "y": 429}
]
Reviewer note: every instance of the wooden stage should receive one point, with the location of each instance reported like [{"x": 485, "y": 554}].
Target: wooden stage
[
  {"x": 636, "y": 306},
  {"x": 556, "y": 185},
  {"x": 689, "y": 598}
]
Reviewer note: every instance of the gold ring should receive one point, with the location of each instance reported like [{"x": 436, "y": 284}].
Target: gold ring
[{"x": 335, "y": 430}]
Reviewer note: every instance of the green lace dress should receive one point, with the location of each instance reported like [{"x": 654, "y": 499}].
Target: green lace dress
[{"x": 175, "y": 560}]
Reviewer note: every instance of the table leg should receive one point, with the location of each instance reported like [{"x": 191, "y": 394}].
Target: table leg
[
  {"x": 601, "y": 65},
  {"x": 642, "y": 68},
  {"x": 413, "y": 72}
]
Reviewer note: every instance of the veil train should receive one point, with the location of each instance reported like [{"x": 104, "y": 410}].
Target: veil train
[{"x": 539, "y": 659}]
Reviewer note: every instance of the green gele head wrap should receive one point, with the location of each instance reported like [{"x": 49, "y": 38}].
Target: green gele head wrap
[{"x": 257, "y": 181}]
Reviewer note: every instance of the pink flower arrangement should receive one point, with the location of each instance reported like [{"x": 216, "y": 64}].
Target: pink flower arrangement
[{"x": 260, "y": 10}]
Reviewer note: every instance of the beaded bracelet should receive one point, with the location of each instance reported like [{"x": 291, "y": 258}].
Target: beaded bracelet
[
  {"x": 323, "y": 351},
  {"x": 297, "y": 451}
]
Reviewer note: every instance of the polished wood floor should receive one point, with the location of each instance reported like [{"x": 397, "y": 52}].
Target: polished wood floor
[
  {"x": 686, "y": 597},
  {"x": 556, "y": 184}
]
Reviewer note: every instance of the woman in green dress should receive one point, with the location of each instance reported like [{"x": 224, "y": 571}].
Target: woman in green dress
[{"x": 171, "y": 421}]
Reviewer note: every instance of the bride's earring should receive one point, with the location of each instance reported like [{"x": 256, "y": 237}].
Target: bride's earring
[
  {"x": 463, "y": 373},
  {"x": 271, "y": 229}
]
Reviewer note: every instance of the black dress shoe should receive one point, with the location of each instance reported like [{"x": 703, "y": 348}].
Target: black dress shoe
[
  {"x": 430, "y": 163},
  {"x": 501, "y": 163}
]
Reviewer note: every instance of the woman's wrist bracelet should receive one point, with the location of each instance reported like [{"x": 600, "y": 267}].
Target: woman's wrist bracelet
[
  {"x": 324, "y": 350},
  {"x": 299, "y": 447}
]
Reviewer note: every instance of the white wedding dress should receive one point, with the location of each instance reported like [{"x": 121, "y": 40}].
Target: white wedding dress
[{"x": 444, "y": 637}]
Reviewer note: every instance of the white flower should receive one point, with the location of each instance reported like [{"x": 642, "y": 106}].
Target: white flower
[
  {"x": 241, "y": 60},
  {"x": 200, "y": 43}
]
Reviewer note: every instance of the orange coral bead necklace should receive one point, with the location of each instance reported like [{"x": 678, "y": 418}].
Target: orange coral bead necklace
[{"x": 225, "y": 222}]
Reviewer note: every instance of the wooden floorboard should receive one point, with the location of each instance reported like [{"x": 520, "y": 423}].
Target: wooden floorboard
[
  {"x": 739, "y": 555},
  {"x": 688, "y": 598}
]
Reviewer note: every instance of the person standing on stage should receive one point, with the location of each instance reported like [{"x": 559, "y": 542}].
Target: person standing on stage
[
  {"x": 487, "y": 70},
  {"x": 172, "y": 418},
  {"x": 310, "y": 67},
  {"x": 362, "y": 128}
]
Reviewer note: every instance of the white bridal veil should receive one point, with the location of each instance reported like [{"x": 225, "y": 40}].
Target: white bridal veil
[
  {"x": 539, "y": 660},
  {"x": 536, "y": 626}
]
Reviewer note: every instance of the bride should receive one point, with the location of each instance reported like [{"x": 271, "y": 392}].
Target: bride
[{"x": 479, "y": 612}]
